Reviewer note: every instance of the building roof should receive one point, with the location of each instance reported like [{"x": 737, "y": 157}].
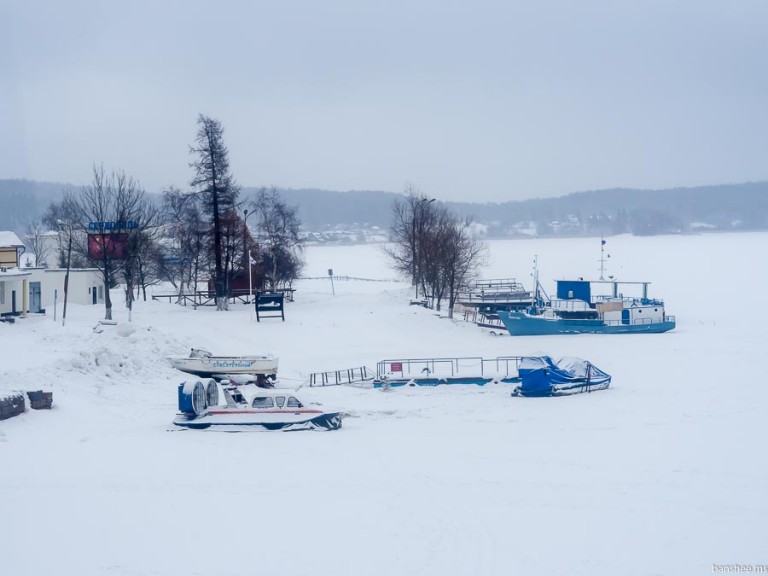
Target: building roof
[
  {"x": 13, "y": 272},
  {"x": 9, "y": 239}
]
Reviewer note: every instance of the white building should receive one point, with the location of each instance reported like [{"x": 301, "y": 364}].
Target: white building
[
  {"x": 36, "y": 290},
  {"x": 14, "y": 286},
  {"x": 48, "y": 250},
  {"x": 86, "y": 286}
]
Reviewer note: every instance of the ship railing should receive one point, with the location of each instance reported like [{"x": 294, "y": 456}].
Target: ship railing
[
  {"x": 502, "y": 366},
  {"x": 571, "y": 305},
  {"x": 640, "y": 321}
]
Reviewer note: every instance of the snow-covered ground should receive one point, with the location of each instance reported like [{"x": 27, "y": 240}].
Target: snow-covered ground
[{"x": 664, "y": 473}]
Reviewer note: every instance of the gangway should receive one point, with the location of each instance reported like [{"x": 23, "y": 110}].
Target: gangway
[{"x": 457, "y": 370}]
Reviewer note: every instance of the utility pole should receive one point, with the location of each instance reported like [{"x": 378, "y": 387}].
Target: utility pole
[{"x": 66, "y": 276}]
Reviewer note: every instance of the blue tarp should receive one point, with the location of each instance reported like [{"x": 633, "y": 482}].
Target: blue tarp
[{"x": 541, "y": 376}]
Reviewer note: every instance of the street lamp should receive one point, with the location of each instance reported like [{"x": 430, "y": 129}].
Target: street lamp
[
  {"x": 247, "y": 253},
  {"x": 69, "y": 262}
]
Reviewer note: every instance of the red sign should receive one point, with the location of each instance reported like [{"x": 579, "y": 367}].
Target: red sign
[
  {"x": 396, "y": 367},
  {"x": 115, "y": 246}
]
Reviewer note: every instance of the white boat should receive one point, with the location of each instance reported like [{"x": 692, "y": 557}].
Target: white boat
[
  {"x": 203, "y": 363},
  {"x": 268, "y": 410}
]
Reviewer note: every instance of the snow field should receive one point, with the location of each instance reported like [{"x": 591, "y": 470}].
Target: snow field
[{"x": 663, "y": 473}]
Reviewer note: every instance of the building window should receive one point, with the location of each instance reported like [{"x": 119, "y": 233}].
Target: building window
[{"x": 2, "y": 292}]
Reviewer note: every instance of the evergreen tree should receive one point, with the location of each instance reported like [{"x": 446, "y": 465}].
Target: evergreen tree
[{"x": 217, "y": 186}]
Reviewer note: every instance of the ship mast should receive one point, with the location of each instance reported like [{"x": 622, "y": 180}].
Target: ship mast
[
  {"x": 536, "y": 281},
  {"x": 602, "y": 258}
]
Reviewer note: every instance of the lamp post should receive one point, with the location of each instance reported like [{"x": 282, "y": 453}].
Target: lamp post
[
  {"x": 69, "y": 262},
  {"x": 246, "y": 250},
  {"x": 245, "y": 235},
  {"x": 247, "y": 256}
]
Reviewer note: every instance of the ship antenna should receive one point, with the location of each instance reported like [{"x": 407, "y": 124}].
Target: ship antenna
[{"x": 602, "y": 258}]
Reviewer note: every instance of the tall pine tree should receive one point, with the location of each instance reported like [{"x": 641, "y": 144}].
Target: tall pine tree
[{"x": 217, "y": 186}]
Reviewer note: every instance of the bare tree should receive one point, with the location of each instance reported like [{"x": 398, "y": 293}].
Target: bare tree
[
  {"x": 433, "y": 248},
  {"x": 115, "y": 199},
  {"x": 463, "y": 253},
  {"x": 147, "y": 262},
  {"x": 279, "y": 238},
  {"x": 213, "y": 180},
  {"x": 56, "y": 217},
  {"x": 413, "y": 216},
  {"x": 182, "y": 253},
  {"x": 35, "y": 238}
]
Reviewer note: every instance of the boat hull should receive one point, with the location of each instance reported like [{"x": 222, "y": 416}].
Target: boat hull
[
  {"x": 563, "y": 389},
  {"x": 522, "y": 324},
  {"x": 416, "y": 381},
  {"x": 246, "y": 420},
  {"x": 210, "y": 366}
]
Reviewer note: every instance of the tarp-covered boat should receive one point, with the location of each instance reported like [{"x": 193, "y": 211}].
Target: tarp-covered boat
[
  {"x": 203, "y": 363},
  {"x": 268, "y": 410},
  {"x": 541, "y": 376}
]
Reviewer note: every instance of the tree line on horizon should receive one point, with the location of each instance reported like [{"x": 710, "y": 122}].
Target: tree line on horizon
[{"x": 731, "y": 207}]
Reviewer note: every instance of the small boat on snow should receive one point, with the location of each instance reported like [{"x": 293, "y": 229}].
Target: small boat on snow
[
  {"x": 541, "y": 376},
  {"x": 268, "y": 410},
  {"x": 203, "y": 363}
]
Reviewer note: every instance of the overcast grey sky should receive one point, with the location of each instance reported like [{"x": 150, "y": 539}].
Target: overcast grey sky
[{"x": 474, "y": 100}]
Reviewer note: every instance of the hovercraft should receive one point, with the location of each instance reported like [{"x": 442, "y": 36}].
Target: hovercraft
[{"x": 274, "y": 409}]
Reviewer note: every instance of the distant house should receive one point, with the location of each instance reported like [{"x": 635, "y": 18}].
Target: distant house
[
  {"x": 13, "y": 281},
  {"x": 48, "y": 250},
  {"x": 11, "y": 249}
]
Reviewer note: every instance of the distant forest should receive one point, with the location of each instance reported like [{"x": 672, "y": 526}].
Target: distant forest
[{"x": 729, "y": 207}]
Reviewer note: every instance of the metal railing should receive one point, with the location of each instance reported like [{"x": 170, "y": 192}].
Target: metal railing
[
  {"x": 356, "y": 375},
  {"x": 503, "y": 366}
]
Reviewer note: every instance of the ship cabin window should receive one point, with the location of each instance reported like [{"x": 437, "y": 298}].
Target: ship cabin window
[
  {"x": 263, "y": 402},
  {"x": 655, "y": 309},
  {"x": 280, "y": 400},
  {"x": 570, "y": 293},
  {"x": 293, "y": 402}
]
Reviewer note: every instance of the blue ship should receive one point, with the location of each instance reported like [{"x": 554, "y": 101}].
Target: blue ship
[{"x": 577, "y": 309}]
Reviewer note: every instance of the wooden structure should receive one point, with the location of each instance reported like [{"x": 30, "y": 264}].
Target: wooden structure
[
  {"x": 207, "y": 298},
  {"x": 492, "y": 295},
  {"x": 270, "y": 305},
  {"x": 11, "y": 406}
]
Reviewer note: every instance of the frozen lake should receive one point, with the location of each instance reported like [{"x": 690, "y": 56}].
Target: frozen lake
[{"x": 660, "y": 474}]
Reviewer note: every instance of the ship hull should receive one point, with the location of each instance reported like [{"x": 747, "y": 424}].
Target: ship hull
[{"x": 522, "y": 324}]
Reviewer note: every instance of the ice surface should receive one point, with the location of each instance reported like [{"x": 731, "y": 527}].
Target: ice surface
[{"x": 663, "y": 473}]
